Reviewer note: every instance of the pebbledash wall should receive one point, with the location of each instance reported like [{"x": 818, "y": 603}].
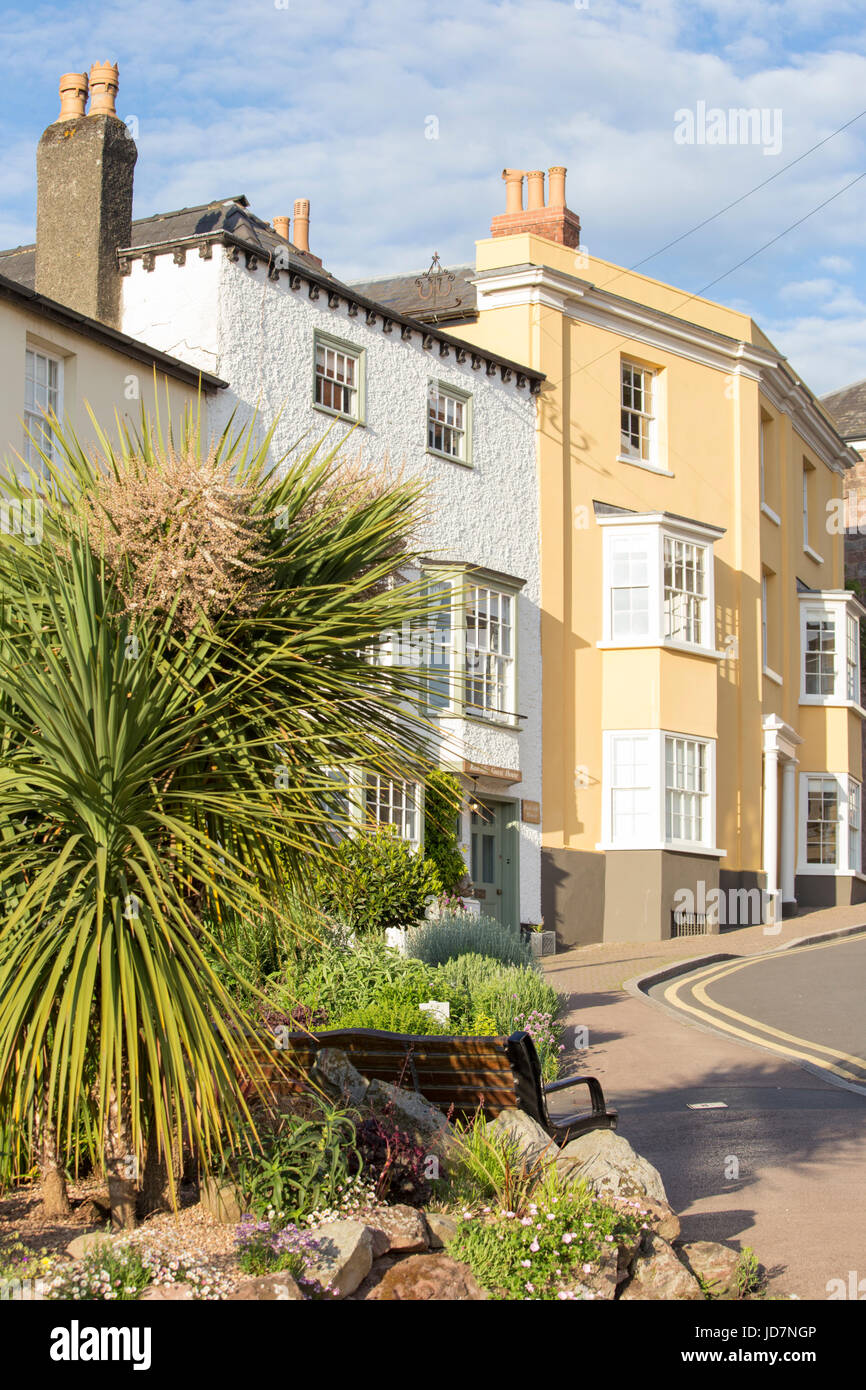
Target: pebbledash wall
[{"x": 230, "y": 316}]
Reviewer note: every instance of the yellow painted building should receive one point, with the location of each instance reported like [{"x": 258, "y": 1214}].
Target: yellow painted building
[{"x": 702, "y": 719}]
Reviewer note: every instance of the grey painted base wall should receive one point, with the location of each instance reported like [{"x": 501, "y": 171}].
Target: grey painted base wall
[
  {"x": 629, "y": 895},
  {"x": 826, "y": 890},
  {"x": 572, "y": 895}
]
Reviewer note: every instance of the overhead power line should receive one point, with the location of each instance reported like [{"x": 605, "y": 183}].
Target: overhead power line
[{"x": 743, "y": 196}]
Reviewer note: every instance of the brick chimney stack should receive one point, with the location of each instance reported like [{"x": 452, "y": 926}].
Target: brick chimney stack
[
  {"x": 84, "y": 172},
  {"x": 552, "y": 220}
]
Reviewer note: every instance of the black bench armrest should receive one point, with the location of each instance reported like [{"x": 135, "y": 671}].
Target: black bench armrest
[{"x": 595, "y": 1092}]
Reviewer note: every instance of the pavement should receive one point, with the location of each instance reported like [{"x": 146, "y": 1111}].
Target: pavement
[{"x": 753, "y": 1148}]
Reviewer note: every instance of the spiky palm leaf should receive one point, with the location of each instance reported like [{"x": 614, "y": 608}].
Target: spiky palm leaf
[{"x": 137, "y": 778}]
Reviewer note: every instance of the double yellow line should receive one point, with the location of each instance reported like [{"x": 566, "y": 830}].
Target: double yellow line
[{"x": 802, "y": 1049}]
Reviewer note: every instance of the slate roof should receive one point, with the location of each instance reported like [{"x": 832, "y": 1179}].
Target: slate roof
[
  {"x": 848, "y": 410},
  {"x": 229, "y": 215},
  {"x": 435, "y": 295}
]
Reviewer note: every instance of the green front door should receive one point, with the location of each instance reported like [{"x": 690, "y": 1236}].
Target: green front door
[{"x": 493, "y": 860}]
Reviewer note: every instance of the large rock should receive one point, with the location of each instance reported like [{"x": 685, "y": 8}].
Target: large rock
[
  {"x": 343, "y": 1258},
  {"x": 399, "y": 1229},
  {"x": 88, "y": 1244},
  {"x": 601, "y": 1282},
  {"x": 529, "y": 1139},
  {"x": 658, "y": 1275},
  {"x": 610, "y": 1166},
  {"x": 222, "y": 1201},
  {"x": 428, "y": 1278},
  {"x": 333, "y": 1071},
  {"x": 715, "y": 1265},
  {"x": 410, "y": 1112},
  {"x": 278, "y": 1287},
  {"x": 441, "y": 1227}
]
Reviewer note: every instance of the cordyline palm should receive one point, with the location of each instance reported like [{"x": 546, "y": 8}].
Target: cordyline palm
[{"x": 138, "y": 792}]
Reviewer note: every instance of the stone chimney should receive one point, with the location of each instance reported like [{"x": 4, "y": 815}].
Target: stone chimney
[
  {"x": 552, "y": 220},
  {"x": 281, "y": 227},
  {"x": 84, "y": 170}
]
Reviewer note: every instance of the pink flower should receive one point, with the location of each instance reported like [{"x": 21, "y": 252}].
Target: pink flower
[
  {"x": 587, "y": 1269},
  {"x": 534, "y": 1247}
]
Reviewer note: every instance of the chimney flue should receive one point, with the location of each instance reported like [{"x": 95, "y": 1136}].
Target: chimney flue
[
  {"x": 84, "y": 169},
  {"x": 555, "y": 222},
  {"x": 103, "y": 89},
  {"x": 281, "y": 227},
  {"x": 556, "y": 186},
  {"x": 513, "y": 189},
  {"x": 302, "y": 224},
  {"x": 73, "y": 95},
  {"x": 535, "y": 187}
]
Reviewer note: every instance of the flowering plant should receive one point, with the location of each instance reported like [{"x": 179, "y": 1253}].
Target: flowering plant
[
  {"x": 263, "y": 1248},
  {"x": 546, "y": 1252}
]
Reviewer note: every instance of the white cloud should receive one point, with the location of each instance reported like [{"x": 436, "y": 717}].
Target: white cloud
[{"x": 329, "y": 102}]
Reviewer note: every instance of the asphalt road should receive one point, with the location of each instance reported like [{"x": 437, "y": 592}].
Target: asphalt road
[
  {"x": 806, "y": 1004},
  {"x": 756, "y": 1145}
]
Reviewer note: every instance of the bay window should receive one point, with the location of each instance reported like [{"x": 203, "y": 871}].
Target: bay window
[
  {"x": 489, "y": 652},
  {"x": 830, "y": 810},
  {"x": 394, "y": 802},
  {"x": 658, "y": 580},
  {"x": 658, "y": 790},
  {"x": 830, "y": 648}
]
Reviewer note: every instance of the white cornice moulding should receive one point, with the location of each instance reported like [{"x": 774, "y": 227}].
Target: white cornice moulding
[{"x": 578, "y": 299}]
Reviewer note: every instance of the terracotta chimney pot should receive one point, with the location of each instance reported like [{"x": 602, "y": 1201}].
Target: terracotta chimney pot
[
  {"x": 103, "y": 89},
  {"x": 73, "y": 95},
  {"x": 535, "y": 185},
  {"x": 556, "y": 187},
  {"x": 302, "y": 224},
  {"x": 281, "y": 227},
  {"x": 513, "y": 189}
]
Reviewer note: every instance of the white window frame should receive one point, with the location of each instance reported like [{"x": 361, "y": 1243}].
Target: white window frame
[
  {"x": 852, "y": 658},
  {"x": 842, "y": 609},
  {"x": 401, "y": 799},
  {"x": 475, "y": 665},
  {"x": 34, "y": 418},
  {"x": 461, "y": 434},
  {"x": 327, "y": 343},
  {"x": 646, "y": 453},
  {"x": 649, "y": 534},
  {"x": 656, "y": 837},
  {"x": 849, "y": 806}
]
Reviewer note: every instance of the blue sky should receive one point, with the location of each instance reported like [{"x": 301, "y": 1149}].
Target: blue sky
[{"x": 282, "y": 99}]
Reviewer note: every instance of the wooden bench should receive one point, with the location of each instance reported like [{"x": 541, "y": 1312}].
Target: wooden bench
[{"x": 458, "y": 1075}]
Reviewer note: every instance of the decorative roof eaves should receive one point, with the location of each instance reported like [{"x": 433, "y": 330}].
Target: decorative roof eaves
[{"x": 298, "y": 269}]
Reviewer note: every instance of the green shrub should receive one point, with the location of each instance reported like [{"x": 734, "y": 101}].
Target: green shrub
[
  {"x": 504, "y": 991},
  {"x": 443, "y": 795},
  {"x": 394, "y": 1010},
  {"x": 299, "y": 1165},
  {"x": 377, "y": 881},
  {"x": 461, "y": 934},
  {"x": 341, "y": 978}
]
